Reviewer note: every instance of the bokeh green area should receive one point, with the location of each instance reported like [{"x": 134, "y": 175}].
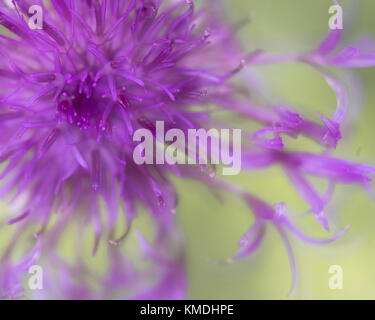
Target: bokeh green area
[{"x": 212, "y": 228}]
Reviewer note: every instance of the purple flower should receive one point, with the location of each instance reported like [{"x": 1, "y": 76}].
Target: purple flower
[{"x": 73, "y": 94}]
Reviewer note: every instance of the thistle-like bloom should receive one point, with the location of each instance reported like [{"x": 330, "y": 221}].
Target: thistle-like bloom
[{"x": 74, "y": 92}]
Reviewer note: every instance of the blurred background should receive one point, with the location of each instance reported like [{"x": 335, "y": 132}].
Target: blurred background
[{"x": 212, "y": 228}]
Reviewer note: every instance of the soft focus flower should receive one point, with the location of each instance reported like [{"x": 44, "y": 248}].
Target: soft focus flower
[{"x": 74, "y": 92}]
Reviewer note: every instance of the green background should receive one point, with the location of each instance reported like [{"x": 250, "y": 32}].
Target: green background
[{"x": 212, "y": 229}]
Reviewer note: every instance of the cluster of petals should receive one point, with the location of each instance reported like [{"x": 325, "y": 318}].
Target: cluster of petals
[{"x": 74, "y": 92}]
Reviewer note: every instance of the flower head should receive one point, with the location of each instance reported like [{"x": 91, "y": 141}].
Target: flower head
[{"x": 74, "y": 92}]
